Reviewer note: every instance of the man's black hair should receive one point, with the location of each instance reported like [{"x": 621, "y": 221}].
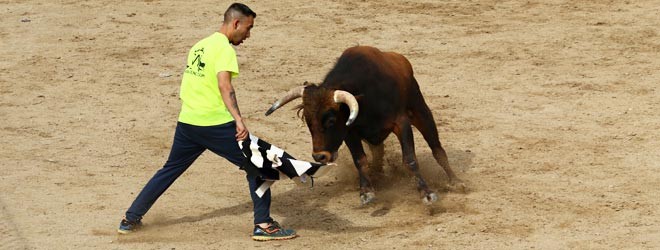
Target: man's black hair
[{"x": 241, "y": 8}]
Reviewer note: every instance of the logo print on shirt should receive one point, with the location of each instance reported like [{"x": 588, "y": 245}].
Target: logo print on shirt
[{"x": 196, "y": 66}]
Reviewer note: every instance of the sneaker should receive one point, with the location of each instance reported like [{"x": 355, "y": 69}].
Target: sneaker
[
  {"x": 126, "y": 226},
  {"x": 273, "y": 232}
]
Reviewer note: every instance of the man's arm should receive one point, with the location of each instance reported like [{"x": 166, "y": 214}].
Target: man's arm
[{"x": 229, "y": 98}]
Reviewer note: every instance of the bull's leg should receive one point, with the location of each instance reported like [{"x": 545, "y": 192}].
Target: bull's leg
[
  {"x": 423, "y": 120},
  {"x": 360, "y": 160},
  {"x": 403, "y": 131},
  {"x": 377, "y": 153}
]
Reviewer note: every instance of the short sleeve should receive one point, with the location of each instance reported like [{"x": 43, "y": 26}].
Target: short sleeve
[{"x": 227, "y": 62}]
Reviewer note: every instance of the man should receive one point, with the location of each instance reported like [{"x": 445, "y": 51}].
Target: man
[{"x": 210, "y": 119}]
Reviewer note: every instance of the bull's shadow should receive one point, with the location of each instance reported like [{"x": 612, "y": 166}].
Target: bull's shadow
[
  {"x": 397, "y": 184},
  {"x": 460, "y": 161},
  {"x": 305, "y": 208}
]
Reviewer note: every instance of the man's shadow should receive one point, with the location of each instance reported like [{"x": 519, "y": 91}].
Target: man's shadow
[
  {"x": 303, "y": 208},
  {"x": 306, "y": 208}
]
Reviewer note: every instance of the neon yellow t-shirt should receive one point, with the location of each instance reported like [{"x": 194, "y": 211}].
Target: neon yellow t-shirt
[{"x": 201, "y": 102}]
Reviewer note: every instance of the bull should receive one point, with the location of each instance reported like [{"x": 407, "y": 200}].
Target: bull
[{"x": 381, "y": 88}]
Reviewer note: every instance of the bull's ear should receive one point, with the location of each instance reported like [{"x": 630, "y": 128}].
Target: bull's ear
[
  {"x": 358, "y": 97},
  {"x": 306, "y": 83}
]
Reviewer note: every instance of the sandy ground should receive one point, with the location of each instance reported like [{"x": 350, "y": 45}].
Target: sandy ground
[{"x": 548, "y": 111}]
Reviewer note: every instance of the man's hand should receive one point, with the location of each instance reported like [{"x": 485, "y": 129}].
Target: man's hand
[{"x": 241, "y": 131}]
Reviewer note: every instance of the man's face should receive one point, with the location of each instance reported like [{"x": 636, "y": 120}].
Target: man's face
[{"x": 242, "y": 29}]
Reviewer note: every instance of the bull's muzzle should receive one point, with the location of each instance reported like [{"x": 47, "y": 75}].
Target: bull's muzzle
[{"x": 324, "y": 156}]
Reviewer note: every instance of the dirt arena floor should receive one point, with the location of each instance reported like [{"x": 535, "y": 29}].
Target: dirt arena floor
[{"x": 548, "y": 111}]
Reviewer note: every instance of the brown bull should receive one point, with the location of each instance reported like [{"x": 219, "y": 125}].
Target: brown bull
[{"x": 381, "y": 88}]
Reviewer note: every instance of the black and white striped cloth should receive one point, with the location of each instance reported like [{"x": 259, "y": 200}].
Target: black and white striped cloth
[{"x": 272, "y": 163}]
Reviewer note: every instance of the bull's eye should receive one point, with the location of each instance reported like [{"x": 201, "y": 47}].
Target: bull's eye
[{"x": 330, "y": 121}]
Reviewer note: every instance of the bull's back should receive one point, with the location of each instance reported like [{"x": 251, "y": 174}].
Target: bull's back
[
  {"x": 396, "y": 76},
  {"x": 368, "y": 71}
]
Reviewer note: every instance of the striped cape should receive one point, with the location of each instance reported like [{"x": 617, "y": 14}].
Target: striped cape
[{"x": 271, "y": 163}]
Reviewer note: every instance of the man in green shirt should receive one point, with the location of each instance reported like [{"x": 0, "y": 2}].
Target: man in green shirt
[{"x": 210, "y": 119}]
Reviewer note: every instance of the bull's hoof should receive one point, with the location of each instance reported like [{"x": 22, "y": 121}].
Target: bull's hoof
[
  {"x": 367, "y": 198},
  {"x": 430, "y": 198},
  {"x": 458, "y": 187}
]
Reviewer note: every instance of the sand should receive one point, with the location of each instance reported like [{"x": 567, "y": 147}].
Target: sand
[{"x": 548, "y": 111}]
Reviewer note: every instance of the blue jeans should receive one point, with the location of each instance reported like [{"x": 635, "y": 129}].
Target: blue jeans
[{"x": 189, "y": 143}]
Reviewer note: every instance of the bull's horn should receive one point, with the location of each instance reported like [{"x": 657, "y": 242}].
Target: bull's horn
[
  {"x": 345, "y": 97},
  {"x": 292, "y": 94}
]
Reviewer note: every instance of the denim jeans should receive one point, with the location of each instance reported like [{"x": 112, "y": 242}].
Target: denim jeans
[{"x": 189, "y": 143}]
